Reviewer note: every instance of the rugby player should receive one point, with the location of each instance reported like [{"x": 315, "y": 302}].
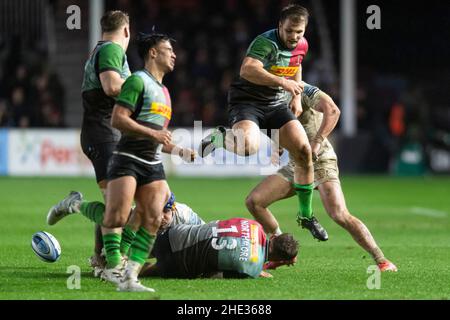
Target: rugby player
[
  {"x": 174, "y": 213},
  {"x": 104, "y": 73},
  {"x": 267, "y": 95},
  {"x": 236, "y": 248},
  {"x": 319, "y": 118},
  {"x": 135, "y": 172}
]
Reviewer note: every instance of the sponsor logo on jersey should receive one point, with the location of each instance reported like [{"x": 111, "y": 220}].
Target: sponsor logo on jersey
[
  {"x": 283, "y": 71},
  {"x": 254, "y": 243},
  {"x": 161, "y": 109}
]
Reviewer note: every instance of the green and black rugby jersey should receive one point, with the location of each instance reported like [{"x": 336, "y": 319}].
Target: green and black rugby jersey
[
  {"x": 277, "y": 60},
  {"x": 238, "y": 247},
  {"x": 150, "y": 104},
  {"x": 96, "y": 128}
]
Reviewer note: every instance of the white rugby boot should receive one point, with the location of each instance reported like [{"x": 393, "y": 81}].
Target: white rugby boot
[
  {"x": 130, "y": 282},
  {"x": 69, "y": 205},
  {"x": 114, "y": 275}
]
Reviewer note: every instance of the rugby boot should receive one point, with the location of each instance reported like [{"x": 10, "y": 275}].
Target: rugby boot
[
  {"x": 317, "y": 231},
  {"x": 69, "y": 205},
  {"x": 212, "y": 141}
]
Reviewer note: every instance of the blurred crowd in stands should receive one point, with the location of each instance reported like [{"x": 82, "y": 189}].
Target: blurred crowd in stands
[
  {"x": 211, "y": 40},
  {"x": 31, "y": 94}
]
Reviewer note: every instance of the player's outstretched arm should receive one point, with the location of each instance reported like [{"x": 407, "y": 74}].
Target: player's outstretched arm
[{"x": 186, "y": 154}]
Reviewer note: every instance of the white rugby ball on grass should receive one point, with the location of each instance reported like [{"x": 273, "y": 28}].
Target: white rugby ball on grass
[{"x": 45, "y": 246}]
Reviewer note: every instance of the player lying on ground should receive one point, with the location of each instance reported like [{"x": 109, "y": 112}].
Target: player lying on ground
[
  {"x": 319, "y": 117},
  {"x": 236, "y": 248},
  {"x": 267, "y": 96},
  {"x": 174, "y": 213}
]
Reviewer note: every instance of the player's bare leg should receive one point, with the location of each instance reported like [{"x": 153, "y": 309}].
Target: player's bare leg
[
  {"x": 243, "y": 139},
  {"x": 119, "y": 198},
  {"x": 268, "y": 191},
  {"x": 98, "y": 261},
  {"x": 334, "y": 203},
  {"x": 293, "y": 138},
  {"x": 150, "y": 200}
]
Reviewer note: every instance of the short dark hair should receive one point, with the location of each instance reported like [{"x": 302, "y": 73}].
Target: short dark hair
[
  {"x": 295, "y": 12},
  {"x": 284, "y": 246},
  {"x": 147, "y": 41},
  {"x": 113, "y": 20}
]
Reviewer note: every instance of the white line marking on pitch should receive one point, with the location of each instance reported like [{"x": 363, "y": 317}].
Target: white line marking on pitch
[{"x": 429, "y": 212}]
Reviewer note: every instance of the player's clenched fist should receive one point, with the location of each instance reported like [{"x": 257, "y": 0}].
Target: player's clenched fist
[
  {"x": 292, "y": 86},
  {"x": 188, "y": 155},
  {"x": 162, "y": 136}
]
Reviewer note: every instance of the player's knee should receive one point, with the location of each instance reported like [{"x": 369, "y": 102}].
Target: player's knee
[
  {"x": 152, "y": 221},
  {"x": 254, "y": 203},
  {"x": 340, "y": 215},
  {"x": 302, "y": 155},
  {"x": 305, "y": 151},
  {"x": 245, "y": 140},
  {"x": 247, "y": 146},
  {"x": 114, "y": 219},
  {"x": 251, "y": 202},
  {"x": 251, "y": 149}
]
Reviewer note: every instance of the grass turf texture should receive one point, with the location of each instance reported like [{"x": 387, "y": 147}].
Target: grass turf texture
[{"x": 409, "y": 218}]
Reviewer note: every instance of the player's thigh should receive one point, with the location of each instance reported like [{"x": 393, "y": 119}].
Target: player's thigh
[
  {"x": 150, "y": 199},
  {"x": 152, "y": 194},
  {"x": 103, "y": 185},
  {"x": 247, "y": 131},
  {"x": 119, "y": 198},
  {"x": 293, "y": 137},
  {"x": 270, "y": 190}
]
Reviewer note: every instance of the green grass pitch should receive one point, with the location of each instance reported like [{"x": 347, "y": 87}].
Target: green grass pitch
[{"x": 409, "y": 218}]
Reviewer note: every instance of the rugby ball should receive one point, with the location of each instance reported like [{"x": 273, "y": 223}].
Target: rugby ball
[{"x": 45, "y": 246}]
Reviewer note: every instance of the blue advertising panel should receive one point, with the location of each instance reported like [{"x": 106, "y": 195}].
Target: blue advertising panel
[{"x": 3, "y": 152}]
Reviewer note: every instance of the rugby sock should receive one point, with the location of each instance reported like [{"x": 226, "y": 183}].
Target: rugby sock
[
  {"x": 94, "y": 211},
  {"x": 128, "y": 235},
  {"x": 304, "y": 193},
  {"x": 111, "y": 242},
  {"x": 218, "y": 139},
  {"x": 141, "y": 246}
]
